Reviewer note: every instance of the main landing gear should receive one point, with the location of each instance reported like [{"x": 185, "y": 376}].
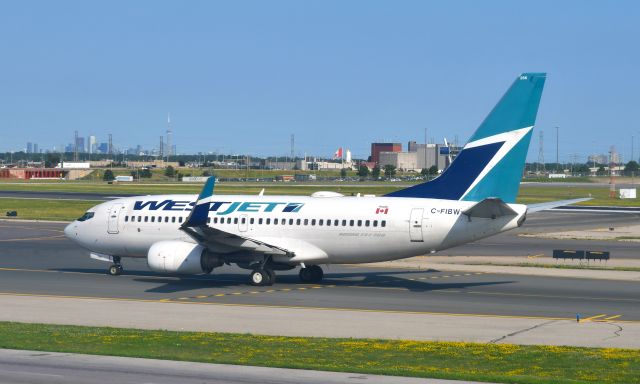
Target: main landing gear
[
  {"x": 262, "y": 277},
  {"x": 311, "y": 274},
  {"x": 116, "y": 268},
  {"x": 263, "y": 274}
]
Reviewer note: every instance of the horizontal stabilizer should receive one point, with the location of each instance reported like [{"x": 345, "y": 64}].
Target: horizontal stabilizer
[
  {"x": 554, "y": 204},
  {"x": 490, "y": 208}
]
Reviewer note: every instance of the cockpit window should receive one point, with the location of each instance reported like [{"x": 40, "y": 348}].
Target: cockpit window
[{"x": 86, "y": 216}]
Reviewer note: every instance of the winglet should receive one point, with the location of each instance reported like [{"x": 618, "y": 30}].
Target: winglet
[{"x": 200, "y": 211}]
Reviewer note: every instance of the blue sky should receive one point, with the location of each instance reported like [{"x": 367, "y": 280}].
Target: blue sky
[{"x": 242, "y": 76}]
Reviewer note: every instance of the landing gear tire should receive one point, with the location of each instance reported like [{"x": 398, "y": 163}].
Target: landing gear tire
[
  {"x": 262, "y": 277},
  {"x": 311, "y": 274},
  {"x": 272, "y": 276},
  {"x": 115, "y": 270}
]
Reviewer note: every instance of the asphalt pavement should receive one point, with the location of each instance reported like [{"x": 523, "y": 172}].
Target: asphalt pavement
[{"x": 37, "y": 259}]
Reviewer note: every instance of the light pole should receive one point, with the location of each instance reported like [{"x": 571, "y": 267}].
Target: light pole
[{"x": 557, "y": 148}]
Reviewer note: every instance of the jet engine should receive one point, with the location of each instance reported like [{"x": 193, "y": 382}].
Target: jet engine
[{"x": 182, "y": 258}]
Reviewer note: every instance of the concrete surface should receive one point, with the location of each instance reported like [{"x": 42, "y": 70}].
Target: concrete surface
[
  {"x": 476, "y": 264},
  {"x": 211, "y": 317},
  {"x": 47, "y": 367}
]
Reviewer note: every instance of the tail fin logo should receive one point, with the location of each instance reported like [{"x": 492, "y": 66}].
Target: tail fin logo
[{"x": 491, "y": 163}]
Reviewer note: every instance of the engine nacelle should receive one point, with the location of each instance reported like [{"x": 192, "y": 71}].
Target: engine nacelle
[{"x": 181, "y": 257}]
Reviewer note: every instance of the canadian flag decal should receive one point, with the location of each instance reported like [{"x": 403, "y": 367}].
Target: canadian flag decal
[{"x": 382, "y": 209}]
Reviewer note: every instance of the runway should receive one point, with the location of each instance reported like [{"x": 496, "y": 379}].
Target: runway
[{"x": 37, "y": 260}]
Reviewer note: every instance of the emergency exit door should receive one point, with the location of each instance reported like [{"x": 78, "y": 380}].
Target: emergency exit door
[
  {"x": 114, "y": 214},
  {"x": 415, "y": 225}
]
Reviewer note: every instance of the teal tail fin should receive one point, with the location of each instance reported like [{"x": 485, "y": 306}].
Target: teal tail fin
[{"x": 491, "y": 163}]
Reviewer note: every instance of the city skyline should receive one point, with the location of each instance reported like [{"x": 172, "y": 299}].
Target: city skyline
[{"x": 243, "y": 78}]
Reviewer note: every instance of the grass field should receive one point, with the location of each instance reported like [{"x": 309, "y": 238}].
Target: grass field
[
  {"x": 159, "y": 174},
  {"x": 42, "y": 209},
  {"x": 503, "y": 363},
  {"x": 221, "y": 188}
]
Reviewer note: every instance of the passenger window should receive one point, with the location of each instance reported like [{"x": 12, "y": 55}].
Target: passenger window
[
  {"x": 291, "y": 222},
  {"x": 208, "y": 220},
  {"x": 260, "y": 221},
  {"x": 344, "y": 223},
  {"x": 275, "y": 221},
  {"x": 146, "y": 219},
  {"x": 313, "y": 221},
  {"x": 153, "y": 219},
  {"x": 320, "y": 222},
  {"x": 351, "y": 223},
  {"x": 298, "y": 221},
  {"x": 328, "y": 223},
  {"x": 228, "y": 220},
  {"x": 268, "y": 221},
  {"x": 306, "y": 221},
  {"x": 283, "y": 221},
  {"x": 235, "y": 220},
  {"x": 251, "y": 221},
  {"x": 359, "y": 223},
  {"x": 383, "y": 223},
  {"x": 375, "y": 223},
  {"x": 336, "y": 223},
  {"x": 126, "y": 218},
  {"x": 181, "y": 219},
  {"x": 244, "y": 220},
  {"x": 173, "y": 219},
  {"x": 366, "y": 223},
  {"x": 166, "y": 219}
]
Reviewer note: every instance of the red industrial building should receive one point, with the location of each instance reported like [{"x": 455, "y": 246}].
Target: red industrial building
[
  {"x": 376, "y": 148},
  {"x": 31, "y": 173}
]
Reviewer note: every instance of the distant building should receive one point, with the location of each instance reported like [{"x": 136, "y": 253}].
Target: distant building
[
  {"x": 92, "y": 144},
  {"x": 400, "y": 160},
  {"x": 80, "y": 145},
  {"x": 376, "y": 148},
  {"x": 418, "y": 157},
  {"x": 29, "y": 147}
]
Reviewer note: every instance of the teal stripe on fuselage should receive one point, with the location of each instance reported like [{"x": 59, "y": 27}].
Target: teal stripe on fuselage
[{"x": 516, "y": 109}]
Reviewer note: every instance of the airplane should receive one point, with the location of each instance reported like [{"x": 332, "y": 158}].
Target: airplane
[{"x": 194, "y": 234}]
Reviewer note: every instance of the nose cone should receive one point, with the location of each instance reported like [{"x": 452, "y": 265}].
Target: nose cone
[{"x": 70, "y": 231}]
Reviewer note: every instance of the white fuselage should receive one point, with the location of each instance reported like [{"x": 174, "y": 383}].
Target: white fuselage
[{"x": 319, "y": 230}]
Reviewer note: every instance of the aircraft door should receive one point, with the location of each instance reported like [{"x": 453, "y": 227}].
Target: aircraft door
[
  {"x": 114, "y": 214},
  {"x": 243, "y": 224},
  {"x": 415, "y": 225}
]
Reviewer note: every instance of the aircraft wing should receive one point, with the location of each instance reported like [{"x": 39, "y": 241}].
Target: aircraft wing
[
  {"x": 490, "y": 208},
  {"x": 217, "y": 239},
  {"x": 554, "y": 204}
]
